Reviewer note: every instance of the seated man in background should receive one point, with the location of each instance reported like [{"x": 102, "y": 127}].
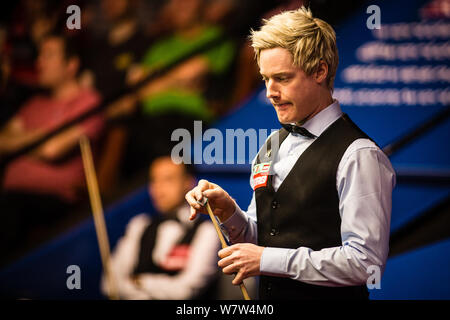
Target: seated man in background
[
  {"x": 166, "y": 256},
  {"x": 42, "y": 185}
]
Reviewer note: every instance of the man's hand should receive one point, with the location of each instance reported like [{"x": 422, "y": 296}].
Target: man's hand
[
  {"x": 222, "y": 205},
  {"x": 14, "y": 136},
  {"x": 243, "y": 259}
]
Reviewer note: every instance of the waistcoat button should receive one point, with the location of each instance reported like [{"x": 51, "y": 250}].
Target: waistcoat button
[{"x": 274, "y": 204}]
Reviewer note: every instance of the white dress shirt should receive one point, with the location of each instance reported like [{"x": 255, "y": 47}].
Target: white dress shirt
[
  {"x": 200, "y": 269},
  {"x": 364, "y": 182}
]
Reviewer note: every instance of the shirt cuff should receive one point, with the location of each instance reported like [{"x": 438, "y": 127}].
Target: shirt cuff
[
  {"x": 235, "y": 225},
  {"x": 274, "y": 261}
]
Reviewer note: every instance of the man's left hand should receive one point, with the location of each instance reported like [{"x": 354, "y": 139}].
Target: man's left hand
[{"x": 243, "y": 259}]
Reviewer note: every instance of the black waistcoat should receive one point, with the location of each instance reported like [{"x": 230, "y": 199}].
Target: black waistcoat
[{"x": 304, "y": 212}]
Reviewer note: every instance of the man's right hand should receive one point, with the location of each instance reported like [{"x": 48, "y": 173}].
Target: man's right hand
[{"x": 222, "y": 205}]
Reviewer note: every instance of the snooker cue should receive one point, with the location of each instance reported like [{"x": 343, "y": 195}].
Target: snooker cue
[
  {"x": 97, "y": 211},
  {"x": 223, "y": 242}
]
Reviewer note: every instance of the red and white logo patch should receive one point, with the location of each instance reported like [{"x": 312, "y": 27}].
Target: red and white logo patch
[{"x": 260, "y": 174}]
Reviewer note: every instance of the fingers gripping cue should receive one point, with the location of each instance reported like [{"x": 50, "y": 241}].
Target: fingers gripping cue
[{"x": 204, "y": 203}]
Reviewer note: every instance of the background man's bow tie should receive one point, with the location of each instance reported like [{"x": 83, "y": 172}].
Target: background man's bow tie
[{"x": 296, "y": 129}]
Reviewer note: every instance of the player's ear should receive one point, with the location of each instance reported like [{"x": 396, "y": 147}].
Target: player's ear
[{"x": 321, "y": 72}]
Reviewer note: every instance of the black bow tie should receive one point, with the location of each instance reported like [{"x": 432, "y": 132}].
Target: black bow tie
[{"x": 296, "y": 129}]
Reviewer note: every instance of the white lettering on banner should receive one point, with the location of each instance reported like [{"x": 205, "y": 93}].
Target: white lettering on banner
[
  {"x": 392, "y": 97},
  {"x": 380, "y": 51},
  {"x": 414, "y": 30},
  {"x": 423, "y": 81},
  {"x": 394, "y": 74}
]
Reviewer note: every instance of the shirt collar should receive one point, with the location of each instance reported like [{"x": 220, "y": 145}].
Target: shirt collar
[{"x": 321, "y": 121}]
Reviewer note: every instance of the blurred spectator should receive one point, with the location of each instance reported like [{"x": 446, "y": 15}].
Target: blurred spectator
[
  {"x": 23, "y": 26},
  {"x": 166, "y": 256},
  {"x": 42, "y": 185},
  {"x": 109, "y": 54},
  {"x": 237, "y": 16},
  {"x": 113, "y": 40},
  {"x": 195, "y": 89},
  {"x": 184, "y": 88},
  {"x": 30, "y": 21}
]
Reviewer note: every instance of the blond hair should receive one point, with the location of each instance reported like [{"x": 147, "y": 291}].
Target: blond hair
[{"x": 308, "y": 39}]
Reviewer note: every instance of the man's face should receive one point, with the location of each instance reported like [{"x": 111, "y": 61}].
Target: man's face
[
  {"x": 168, "y": 184},
  {"x": 292, "y": 93},
  {"x": 183, "y": 12},
  {"x": 51, "y": 63},
  {"x": 114, "y": 9}
]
